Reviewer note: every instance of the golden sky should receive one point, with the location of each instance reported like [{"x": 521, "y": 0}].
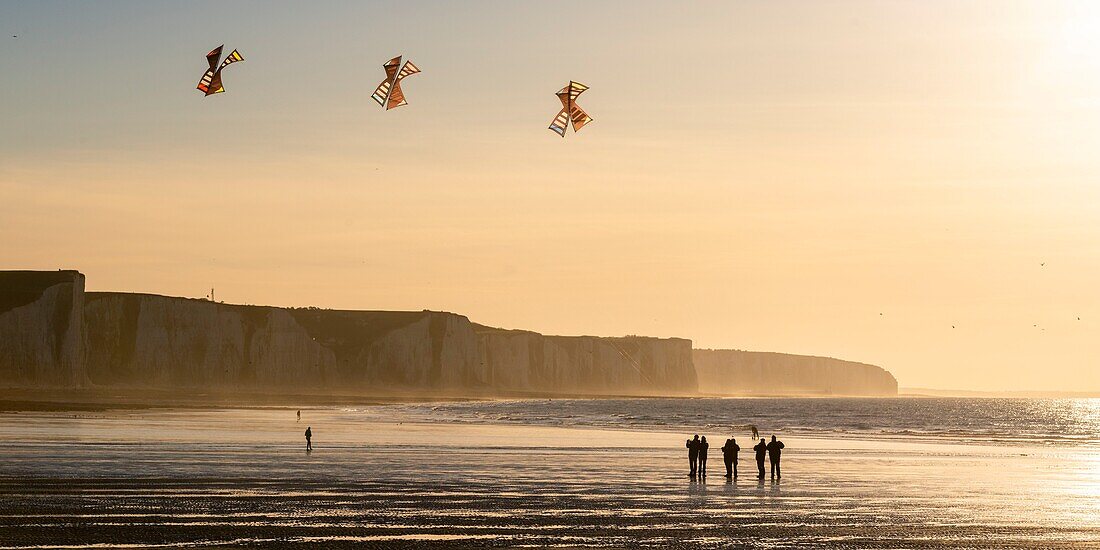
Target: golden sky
[{"x": 842, "y": 178}]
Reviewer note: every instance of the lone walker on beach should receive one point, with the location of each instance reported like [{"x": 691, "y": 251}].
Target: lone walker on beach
[
  {"x": 729, "y": 455},
  {"x": 693, "y": 454},
  {"x": 761, "y": 451},
  {"x": 299, "y": 416},
  {"x": 775, "y": 449},
  {"x": 309, "y": 444}
]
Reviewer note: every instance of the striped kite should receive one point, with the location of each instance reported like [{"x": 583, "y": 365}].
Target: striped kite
[
  {"x": 211, "y": 82},
  {"x": 388, "y": 94},
  {"x": 570, "y": 111}
]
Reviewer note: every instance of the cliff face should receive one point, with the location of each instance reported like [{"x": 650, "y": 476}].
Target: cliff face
[
  {"x": 395, "y": 349},
  {"x": 737, "y": 372},
  {"x": 162, "y": 342},
  {"x": 520, "y": 360},
  {"x": 54, "y": 335},
  {"x": 41, "y": 343},
  {"x": 159, "y": 341}
]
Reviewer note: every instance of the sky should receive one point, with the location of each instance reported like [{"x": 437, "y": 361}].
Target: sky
[{"x": 912, "y": 184}]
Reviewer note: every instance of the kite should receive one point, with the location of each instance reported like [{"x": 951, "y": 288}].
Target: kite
[
  {"x": 570, "y": 111},
  {"x": 389, "y": 94},
  {"x": 211, "y": 82}
]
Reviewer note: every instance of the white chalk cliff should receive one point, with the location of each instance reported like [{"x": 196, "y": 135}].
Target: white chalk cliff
[
  {"x": 736, "y": 372},
  {"x": 517, "y": 359},
  {"x": 55, "y": 335},
  {"x": 41, "y": 316}
]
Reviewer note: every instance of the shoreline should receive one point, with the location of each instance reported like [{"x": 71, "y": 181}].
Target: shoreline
[
  {"x": 381, "y": 413},
  {"x": 101, "y": 398},
  {"x": 95, "y": 399}
]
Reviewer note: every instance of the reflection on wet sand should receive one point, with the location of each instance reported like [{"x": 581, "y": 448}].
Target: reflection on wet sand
[{"x": 165, "y": 484}]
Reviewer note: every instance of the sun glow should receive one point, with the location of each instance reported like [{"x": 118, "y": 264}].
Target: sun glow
[{"x": 1069, "y": 60}]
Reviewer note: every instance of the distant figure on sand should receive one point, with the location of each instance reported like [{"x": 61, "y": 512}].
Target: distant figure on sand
[
  {"x": 309, "y": 444},
  {"x": 703, "y": 447},
  {"x": 299, "y": 415},
  {"x": 761, "y": 451},
  {"x": 729, "y": 455},
  {"x": 693, "y": 454},
  {"x": 755, "y": 434},
  {"x": 775, "y": 448}
]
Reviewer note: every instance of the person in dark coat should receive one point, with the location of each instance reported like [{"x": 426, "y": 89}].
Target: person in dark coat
[
  {"x": 693, "y": 454},
  {"x": 775, "y": 449},
  {"x": 309, "y": 437},
  {"x": 729, "y": 455},
  {"x": 703, "y": 448},
  {"x": 761, "y": 452}
]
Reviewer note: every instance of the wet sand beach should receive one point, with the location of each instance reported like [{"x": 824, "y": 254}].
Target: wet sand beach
[{"x": 240, "y": 477}]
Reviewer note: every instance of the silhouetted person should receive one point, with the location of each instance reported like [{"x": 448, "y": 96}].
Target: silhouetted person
[
  {"x": 775, "y": 449},
  {"x": 691, "y": 461},
  {"x": 703, "y": 448},
  {"x": 309, "y": 436},
  {"x": 729, "y": 455},
  {"x": 299, "y": 416},
  {"x": 693, "y": 454},
  {"x": 761, "y": 452},
  {"x": 755, "y": 434}
]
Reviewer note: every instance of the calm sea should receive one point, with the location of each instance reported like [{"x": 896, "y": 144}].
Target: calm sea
[{"x": 985, "y": 420}]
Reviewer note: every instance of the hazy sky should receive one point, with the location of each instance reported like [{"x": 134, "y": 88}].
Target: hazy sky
[{"x": 842, "y": 178}]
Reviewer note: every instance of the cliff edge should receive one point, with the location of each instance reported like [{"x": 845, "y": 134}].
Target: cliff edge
[
  {"x": 634, "y": 365},
  {"x": 54, "y": 335},
  {"x": 736, "y": 372}
]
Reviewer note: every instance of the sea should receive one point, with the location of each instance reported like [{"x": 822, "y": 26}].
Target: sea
[{"x": 974, "y": 420}]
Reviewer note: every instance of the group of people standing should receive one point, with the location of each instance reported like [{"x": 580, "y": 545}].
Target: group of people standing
[{"x": 697, "y": 456}]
